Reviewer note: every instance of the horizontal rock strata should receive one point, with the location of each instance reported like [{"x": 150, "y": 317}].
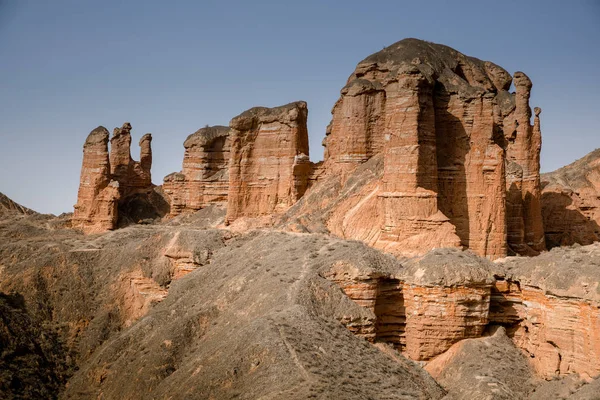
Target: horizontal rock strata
[
  {"x": 451, "y": 138},
  {"x": 110, "y": 180},
  {"x": 269, "y": 167},
  {"x": 204, "y": 178}
]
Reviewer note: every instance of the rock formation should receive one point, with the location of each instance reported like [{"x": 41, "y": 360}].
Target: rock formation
[
  {"x": 445, "y": 126},
  {"x": 133, "y": 176},
  {"x": 109, "y": 181},
  {"x": 269, "y": 167},
  {"x": 571, "y": 202},
  {"x": 550, "y": 305},
  {"x": 204, "y": 179},
  {"x": 523, "y": 202},
  {"x": 422, "y": 310},
  {"x": 98, "y": 196},
  {"x": 447, "y": 299}
]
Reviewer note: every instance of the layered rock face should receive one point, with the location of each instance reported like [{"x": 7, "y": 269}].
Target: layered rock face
[
  {"x": 133, "y": 176},
  {"x": 523, "y": 202},
  {"x": 98, "y": 196},
  {"x": 269, "y": 168},
  {"x": 551, "y": 308},
  {"x": 204, "y": 178},
  {"x": 423, "y": 309},
  {"x": 109, "y": 180},
  {"x": 447, "y": 299},
  {"x": 571, "y": 202},
  {"x": 443, "y": 122}
]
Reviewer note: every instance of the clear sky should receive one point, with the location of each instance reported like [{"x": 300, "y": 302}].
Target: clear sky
[{"x": 171, "y": 67}]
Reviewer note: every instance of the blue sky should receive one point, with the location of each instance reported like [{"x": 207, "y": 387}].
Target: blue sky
[{"x": 172, "y": 67}]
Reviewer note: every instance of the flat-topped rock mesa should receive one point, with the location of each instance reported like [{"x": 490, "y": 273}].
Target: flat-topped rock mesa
[
  {"x": 269, "y": 167},
  {"x": 204, "y": 178},
  {"x": 112, "y": 185},
  {"x": 429, "y": 131},
  {"x": 571, "y": 202}
]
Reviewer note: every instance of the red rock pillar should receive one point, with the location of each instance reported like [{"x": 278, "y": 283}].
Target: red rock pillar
[{"x": 96, "y": 208}]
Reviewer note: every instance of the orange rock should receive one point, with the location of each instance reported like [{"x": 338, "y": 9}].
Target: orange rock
[
  {"x": 108, "y": 180},
  {"x": 269, "y": 167},
  {"x": 442, "y": 122},
  {"x": 204, "y": 178},
  {"x": 97, "y": 199},
  {"x": 447, "y": 299},
  {"x": 550, "y": 305},
  {"x": 523, "y": 203},
  {"x": 133, "y": 176}
]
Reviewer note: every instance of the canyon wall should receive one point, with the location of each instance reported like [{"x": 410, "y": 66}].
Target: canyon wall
[
  {"x": 111, "y": 180},
  {"x": 204, "y": 178},
  {"x": 549, "y": 305},
  {"x": 269, "y": 167}
]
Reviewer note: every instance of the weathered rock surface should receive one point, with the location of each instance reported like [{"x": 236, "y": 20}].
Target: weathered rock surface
[
  {"x": 204, "y": 178},
  {"x": 490, "y": 367},
  {"x": 113, "y": 187},
  {"x": 98, "y": 196},
  {"x": 523, "y": 199},
  {"x": 269, "y": 167},
  {"x": 447, "y": 299},
  {"x": 444, "y": 125},
  {"x": 571, "y": 202},
  {"x": 550, "y": 305}
]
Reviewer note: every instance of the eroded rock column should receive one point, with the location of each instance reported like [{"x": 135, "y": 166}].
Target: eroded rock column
[
  {"x": 204, "y": 179},
  {"x": 97, "y": 199},
  {"x": 269, "y": 170},
  {"x": 524, "y": 210}
]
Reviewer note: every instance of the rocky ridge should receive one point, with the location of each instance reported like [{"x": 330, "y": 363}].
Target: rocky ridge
[{"x": 571, "y": 202}]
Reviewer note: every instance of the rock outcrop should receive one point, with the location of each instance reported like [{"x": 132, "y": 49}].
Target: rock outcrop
[
  {"x": 204, "y": 178},
  {"x": 447, "y": 299},
  {"x": 269, "y": 167},
  {"x": 550, "y": 305},
  {"x": 423, "y": 309},
  {"x": 523, "y": 201},
  {"x": 112, "y": 181},
  {"x": 445, "y": 126},
  {"x": 98, "y": 196},
  {"x": 571, "y": 202}
]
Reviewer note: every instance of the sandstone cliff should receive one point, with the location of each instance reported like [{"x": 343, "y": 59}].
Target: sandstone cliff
[
  {"x": 571, "y": 202},
  {"x": 269, "y": 167},
  {"x": 113, "y": 187},
  {"x": 442, "y": 126},
  {"x": 204, "y": 178},
  {"x": 98, "y": 196},
  {"x": 550, "y": 305}
]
